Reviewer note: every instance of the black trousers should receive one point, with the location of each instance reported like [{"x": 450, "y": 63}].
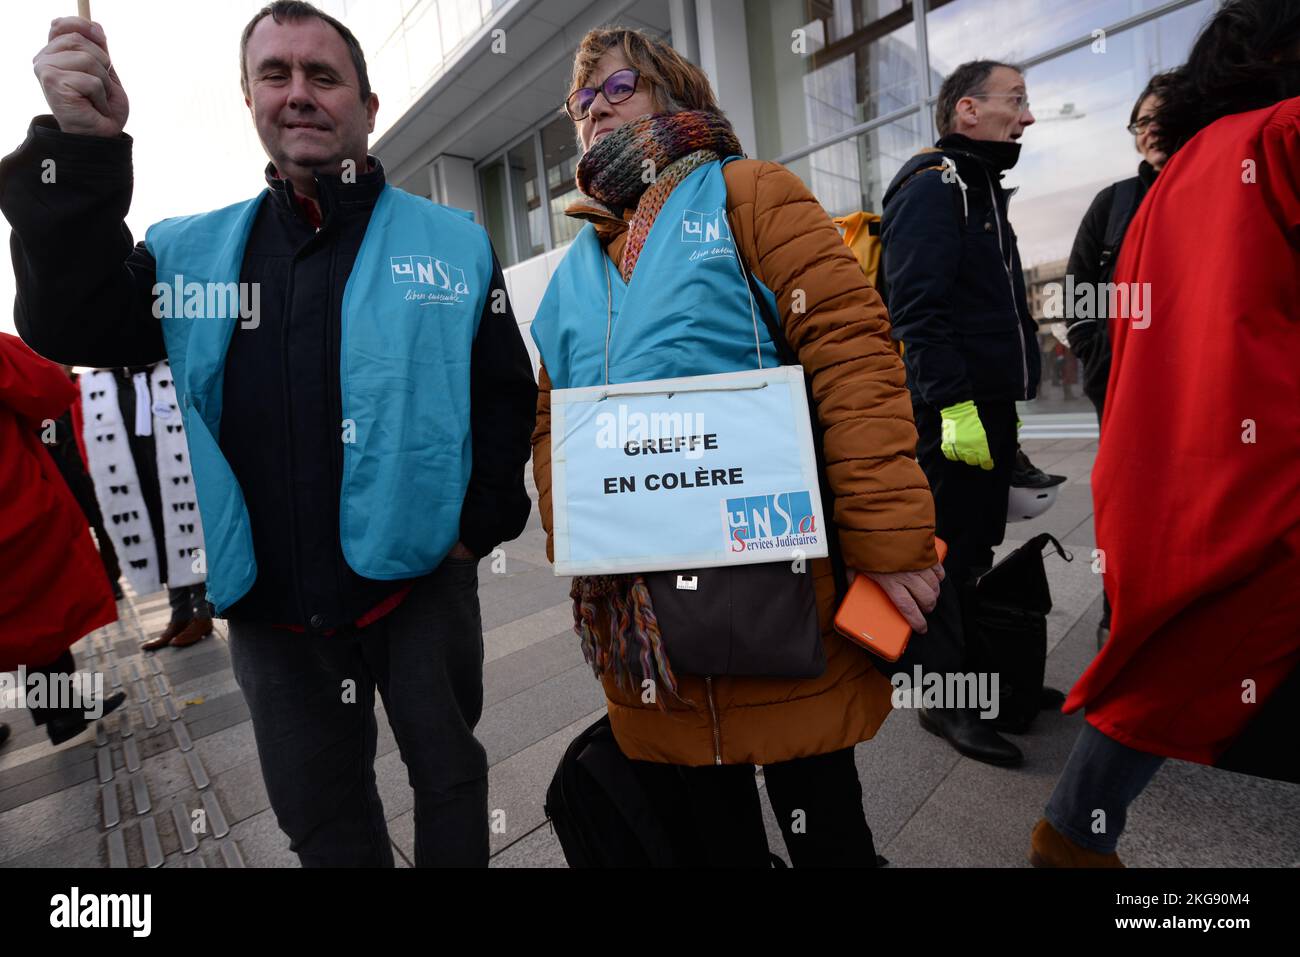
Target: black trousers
[
  {"x": 714, "y": 818},
  {"x": 189, "y": 602},
  {"x": 43, "y": 715},
  {"x": 312, "y": 701},
  {"x": 970, "y": 506}
]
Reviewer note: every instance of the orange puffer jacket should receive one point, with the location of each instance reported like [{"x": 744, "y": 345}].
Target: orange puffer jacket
[{"x": 883, "y": 507}]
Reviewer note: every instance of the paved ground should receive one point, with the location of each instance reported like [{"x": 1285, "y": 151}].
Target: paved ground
[{"x": 126, "y": 793}]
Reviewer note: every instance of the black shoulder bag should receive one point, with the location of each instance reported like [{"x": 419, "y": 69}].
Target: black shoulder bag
[{"x": 753, "y": 620}]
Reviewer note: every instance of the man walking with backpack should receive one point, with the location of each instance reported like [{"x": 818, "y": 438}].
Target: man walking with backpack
[{"x": 956, "y": 298}]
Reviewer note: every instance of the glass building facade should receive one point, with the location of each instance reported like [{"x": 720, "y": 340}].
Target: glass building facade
[
  {"x": 858, "y": 100},
  {"x": 409, "y": 43},
  {"x": 841, "y": 91}
]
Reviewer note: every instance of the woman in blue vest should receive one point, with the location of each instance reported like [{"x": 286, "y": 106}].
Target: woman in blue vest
[{"x": 639, "y": 106}]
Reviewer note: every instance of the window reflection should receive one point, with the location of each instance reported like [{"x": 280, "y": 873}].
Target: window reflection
[
  {"x": 492, "y": 186},
  {"x": 1014, "y": 30},
  {"x": 560, "y": 156},
  {"x": 1077, "y": 147},
  {"x": 854, "y": 174},
  {"x": 819, "y": 67},
  {"x": 529, "y": 216}
]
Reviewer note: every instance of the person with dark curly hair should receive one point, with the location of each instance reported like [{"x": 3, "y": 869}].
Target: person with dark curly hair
[
  {"x": 1097, "y": 243},
  {"x": 1196, "y": 489}
]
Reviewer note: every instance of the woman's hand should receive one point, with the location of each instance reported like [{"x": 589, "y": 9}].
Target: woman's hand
[{"x": 914, "y": 594}]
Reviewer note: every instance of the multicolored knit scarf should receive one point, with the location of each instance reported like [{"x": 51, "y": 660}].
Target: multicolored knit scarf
[
  {"x": 639, "y": 164},
  {"x": 643, "y": 160}
]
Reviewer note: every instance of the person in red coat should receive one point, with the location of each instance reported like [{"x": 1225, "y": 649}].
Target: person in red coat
[
  {"x": 1197, "y": 480},
  {"x": 52, "y": 586}
]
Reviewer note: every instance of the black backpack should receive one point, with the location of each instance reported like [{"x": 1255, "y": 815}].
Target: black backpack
[
  {"x": 1124, "y": 202},
  {"x": 598, "y": 809},
  {"x": 604, "y": 817},
  {"x": 1123, "y": 207}
]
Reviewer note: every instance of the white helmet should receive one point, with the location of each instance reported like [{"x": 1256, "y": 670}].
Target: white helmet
[
  {"x": 1026, "y": 503},
  {"x": 1033, "y": 491}
]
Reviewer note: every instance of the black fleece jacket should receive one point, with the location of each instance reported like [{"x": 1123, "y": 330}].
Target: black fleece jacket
[
  {"x": 85, "y": 297},
  {"x": 1092, "y": 263}
]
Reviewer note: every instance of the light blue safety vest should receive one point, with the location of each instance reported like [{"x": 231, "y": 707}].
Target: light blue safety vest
[
  {"x": 687, "y": 310},
  {"x": 410, "y": 312}
]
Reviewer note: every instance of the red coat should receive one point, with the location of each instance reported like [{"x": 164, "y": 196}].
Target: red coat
[
  {"x": 52, "y": 585},
  {"x": 1197, "y": 481}
]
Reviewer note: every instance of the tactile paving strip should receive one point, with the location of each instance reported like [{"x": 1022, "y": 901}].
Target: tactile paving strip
[
  {"x": 117, "y": 849},
  {"x": 197, "y": 771},
  {"x": 147, "y": 681},
  {"x": 189, "y": 841},
  {"x": 230, "y": 854},
  {"x": 153, "y": 854},
  {"x": 217, "y": 825},
  {"x": 140, "y": 794},
  {"x": 131, "y": 754},
  {"x": 104, "y": 765},
  {"x": 108, "y": 798}
]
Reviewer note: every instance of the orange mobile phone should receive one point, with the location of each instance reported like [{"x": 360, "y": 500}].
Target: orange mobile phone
[{"x": 869, "y": 618}]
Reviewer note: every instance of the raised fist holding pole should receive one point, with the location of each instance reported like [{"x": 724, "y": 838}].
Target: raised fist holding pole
[{"x": 78, "y": 79}]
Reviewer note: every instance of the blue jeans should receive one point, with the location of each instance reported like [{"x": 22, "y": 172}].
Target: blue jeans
[
  {"x": 1101, "y": 775},
  {"x": 312, "y": 701}
]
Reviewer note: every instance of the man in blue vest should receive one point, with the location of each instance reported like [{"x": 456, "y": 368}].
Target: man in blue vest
[{"x": 357, "y": 403}]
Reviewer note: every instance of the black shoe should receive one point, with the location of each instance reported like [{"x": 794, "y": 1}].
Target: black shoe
[
  {"x": 1050, "y": 698},
  {"x": 976, "y": 739},
  {"x": 66, "y": 728},
  {"x": 1025, "y": 474},
  {"x": 4, "y": 734}
]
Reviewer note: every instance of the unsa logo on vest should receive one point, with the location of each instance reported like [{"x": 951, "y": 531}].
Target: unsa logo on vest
[
  {"x": 430, "y": 271},
  {"x": 710, "y": 227}
]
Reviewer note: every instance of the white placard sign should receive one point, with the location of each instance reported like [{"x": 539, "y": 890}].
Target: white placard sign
[{"x": 695, "y": 472}]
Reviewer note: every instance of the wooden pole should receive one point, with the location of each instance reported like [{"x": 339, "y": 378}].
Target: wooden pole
[{"x": 83, "y": 9}]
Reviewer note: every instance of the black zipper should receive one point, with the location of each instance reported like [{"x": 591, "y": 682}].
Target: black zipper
[
  {"x": 334, "y": 380},
  {"x": 288, "y": 434}
]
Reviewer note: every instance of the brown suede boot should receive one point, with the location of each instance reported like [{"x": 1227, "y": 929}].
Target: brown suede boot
[
  {"x": 1048, "y": 847},
  {"x": 195, "y": 631},
  {"x": 173, "y": 629}
]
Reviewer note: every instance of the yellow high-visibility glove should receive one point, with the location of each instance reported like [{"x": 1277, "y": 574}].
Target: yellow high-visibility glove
[{"x": 964, "y": 439}]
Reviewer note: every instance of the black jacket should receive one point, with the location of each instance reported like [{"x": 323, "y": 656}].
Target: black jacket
[
  {"x": 85, "y": 298},
  {"x": 953, "y": 282},
  {"x": 1092, "y": 260}
]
